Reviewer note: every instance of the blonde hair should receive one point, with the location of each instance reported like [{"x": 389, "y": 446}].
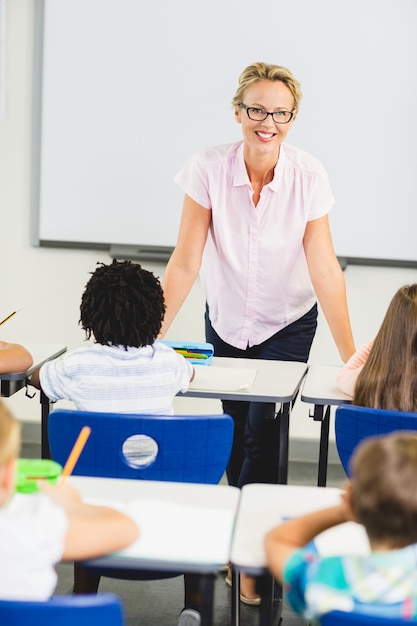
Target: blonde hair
[
  {"x": 9, "y": 435},
  {"x": 264, "y": 71},
  {"x": 384, "y": 494},
  {"x": 388, "y": 379}
]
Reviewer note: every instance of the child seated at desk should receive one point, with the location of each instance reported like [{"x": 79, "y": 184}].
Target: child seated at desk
[
  {"x": 14, "y": 358},
  {"x": 124, "y": 371},
  {"x": 382, "y": 496},
  {"x": 38, "y": 530},
  {"x": 383, "y": 373}
]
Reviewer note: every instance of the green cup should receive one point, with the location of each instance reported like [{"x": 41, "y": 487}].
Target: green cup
[{"x": 29, "y": 471}]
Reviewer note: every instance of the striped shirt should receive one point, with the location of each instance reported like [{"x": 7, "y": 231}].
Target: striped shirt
[{"x": 110, "y": 378}]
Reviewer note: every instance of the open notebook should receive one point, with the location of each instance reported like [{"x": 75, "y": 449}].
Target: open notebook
[
  {"x": 222, "y": 379},
  {"x": 177, "y": 532}
]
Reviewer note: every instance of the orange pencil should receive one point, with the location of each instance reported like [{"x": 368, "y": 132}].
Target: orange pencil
[{"x": 76, "y": 451}]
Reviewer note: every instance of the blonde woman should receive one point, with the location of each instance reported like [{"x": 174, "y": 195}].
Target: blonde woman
[{"x": 255, "y": 226}]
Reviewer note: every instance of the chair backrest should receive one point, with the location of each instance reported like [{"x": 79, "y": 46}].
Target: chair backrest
[
  {"x": 354, "y": 423},
  {"x": 180, "y": 448},
  {"x": 104, "y": 609},
  {"x": 338, "y": 618}
]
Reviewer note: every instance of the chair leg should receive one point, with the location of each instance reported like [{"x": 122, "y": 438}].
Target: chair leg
[{"x": 85, "y": 580}]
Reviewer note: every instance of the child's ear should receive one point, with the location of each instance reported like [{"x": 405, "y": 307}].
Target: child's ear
[
  {"x": 7, "y": 480},
  {"x": 347, "y": 501}
]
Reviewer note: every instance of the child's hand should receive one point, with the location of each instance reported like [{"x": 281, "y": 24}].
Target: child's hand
[{"x": 62, "y": 493}]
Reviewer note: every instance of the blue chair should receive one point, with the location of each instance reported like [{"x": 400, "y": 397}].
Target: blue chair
[
  {"x": 104, "y": 609},
  {"x": 178, "y": 448},
  {"x": 355, "y": 423},
  {"x": 338, "y": 618}
]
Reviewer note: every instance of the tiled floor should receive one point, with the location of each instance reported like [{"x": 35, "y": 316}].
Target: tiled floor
[{"x": 159, "y": 602}]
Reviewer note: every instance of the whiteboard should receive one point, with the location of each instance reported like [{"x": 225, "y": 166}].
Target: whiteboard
[{"x": 129, "y": 90}]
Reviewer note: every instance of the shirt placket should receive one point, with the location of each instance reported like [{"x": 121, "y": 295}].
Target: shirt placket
[{"x": 252, "y": 277}]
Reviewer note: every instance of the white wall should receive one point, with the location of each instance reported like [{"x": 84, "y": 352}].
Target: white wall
[{"x": 47, "y": 283}]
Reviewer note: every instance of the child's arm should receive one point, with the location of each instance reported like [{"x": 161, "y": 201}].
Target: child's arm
[
  {"x": 14, "y": 358},
  {"x": 348, "y": 375},
  {"x": 92, "y": 530},
  {"x": 282, "y": 541}
]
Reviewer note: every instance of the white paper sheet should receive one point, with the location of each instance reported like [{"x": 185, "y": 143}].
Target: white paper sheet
[
  {"x": 177, "y": 532},
  {"x": 208, "y": 378}
]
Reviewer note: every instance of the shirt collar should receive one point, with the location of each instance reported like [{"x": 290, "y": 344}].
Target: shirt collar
[{"x": 240, "y": 175}]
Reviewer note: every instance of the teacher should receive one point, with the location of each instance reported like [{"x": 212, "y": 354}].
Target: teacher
[{"x": 255, "y": 226}]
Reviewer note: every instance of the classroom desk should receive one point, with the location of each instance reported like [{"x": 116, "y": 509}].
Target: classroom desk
[
  {"x": 185, "y": 527},
  {"x": 320, "y": 388},
  {"x": 262, "y": 507},
  {"x": 276, "y": 382},
  {"x": 11, "y": 383}
]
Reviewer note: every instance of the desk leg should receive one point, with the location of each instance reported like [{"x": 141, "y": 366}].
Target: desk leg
[
  {"x": 265, "y": 587},
  {"x": 324, "y": 448},
  {"x": 235, "y": 597},
  {"x": 207, "y": 599},
  {"x": 277, "y": 605},
  {"x": 45, "y": 407},
  {"x": 284, "y": 428}
]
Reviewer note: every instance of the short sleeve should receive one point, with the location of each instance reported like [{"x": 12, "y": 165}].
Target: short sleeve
[
  {"x": 295, "y": 577},
  {"x": 54, "y": 380},
  {"x": 192, "y": 179},
  {"x": 32, "y": 538},
  {"x": 184, "y": 371}
]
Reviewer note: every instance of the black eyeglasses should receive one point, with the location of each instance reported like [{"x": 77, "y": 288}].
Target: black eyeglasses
[{"x": 259, "y": 115}]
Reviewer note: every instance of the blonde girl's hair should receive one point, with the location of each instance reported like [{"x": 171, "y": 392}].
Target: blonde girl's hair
[
  {"x": 384, "y": 494},
  {"x": 388, "y": 379},
  {"x": 264, "y": 71},
  {"x": 9, "y": 435}
]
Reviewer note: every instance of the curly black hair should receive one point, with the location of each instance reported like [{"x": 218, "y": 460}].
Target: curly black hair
[{"x": 123, "y": 305}]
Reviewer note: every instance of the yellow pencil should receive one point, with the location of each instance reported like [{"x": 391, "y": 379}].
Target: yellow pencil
[
  {"x": 9, "y": 316},
  {"x": 76, "y": 451}
]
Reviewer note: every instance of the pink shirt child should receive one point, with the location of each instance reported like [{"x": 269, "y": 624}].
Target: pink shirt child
[{"x": 348, "y": 375}]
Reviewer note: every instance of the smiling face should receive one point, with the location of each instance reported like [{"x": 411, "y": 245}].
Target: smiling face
[{"x": 265, "y": 137}]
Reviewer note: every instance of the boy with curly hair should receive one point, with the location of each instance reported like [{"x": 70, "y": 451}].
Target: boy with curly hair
[{"x": 125, "y": 370}]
